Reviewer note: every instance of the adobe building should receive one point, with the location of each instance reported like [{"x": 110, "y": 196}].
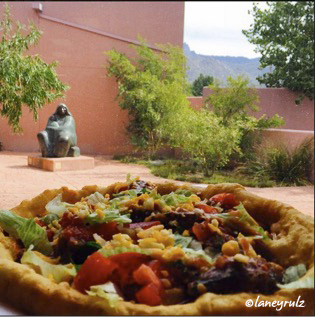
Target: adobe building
[{"x": 76, "y": 34}]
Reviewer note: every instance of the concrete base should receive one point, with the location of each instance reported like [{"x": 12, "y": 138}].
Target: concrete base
[{"x": 61, "y": 164}]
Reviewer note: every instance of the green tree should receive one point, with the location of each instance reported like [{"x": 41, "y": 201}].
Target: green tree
[
  {"x": 201, "y": 135},
  {"x": 199, "y": 83},
  {"x": 284, "y": 36},
  {"x": 234, "y": 101},
  {"x": 234, "y": 105},
  {"x": 24, "y": 80},
  {"x": 152, "y": 87}
]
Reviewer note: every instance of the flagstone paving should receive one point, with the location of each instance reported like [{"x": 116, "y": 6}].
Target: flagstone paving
[{"x": 18, "y": 181}]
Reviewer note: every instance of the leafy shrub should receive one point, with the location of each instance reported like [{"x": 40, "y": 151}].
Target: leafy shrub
[
  {"x": 199, "y": 83},
  {"x": 234, "y": 104},
  {"x": 24, "y": 80},
  {"x": 203, "y": 138},
  {"x": 152, "y": 87},
  {"x": 290, "y": 167}
]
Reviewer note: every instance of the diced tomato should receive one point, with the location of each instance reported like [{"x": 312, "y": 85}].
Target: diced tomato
[
  {"x": 156, "y": 266},
  {"x": 95, "y": 270},
  {"x": 226, "y": 200},
  {"x": 143, "y": 225},
  {"x": 106, "y": 230},
  {"x": 40, "y": 222},
  {"x": 201, "y": 231},
  {"x": 149, "y": 295},
  {"x": 131, "y": 260},
  {"x": 207, "y": 209},
  {"x": 50, "y": 234},
  {"x": 221, "y": 261},
  {"x": 199, "y": 262},
  {"x": 127, "y": 263},
  {"x": 144, "y": 275}
]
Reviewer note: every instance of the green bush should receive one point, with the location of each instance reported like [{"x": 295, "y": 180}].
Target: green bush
[
  {"x": 25, "y": 81},
  {"x": 152, "y": 87},
  {"x": 233, "y": 104},
  {"x": 199, "y": 83},
  {"x": 289, "y": 167},
  {"x": 203, "y": 138}
]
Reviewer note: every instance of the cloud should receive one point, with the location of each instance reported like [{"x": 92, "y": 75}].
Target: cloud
[{"x": 215, "y": 28}]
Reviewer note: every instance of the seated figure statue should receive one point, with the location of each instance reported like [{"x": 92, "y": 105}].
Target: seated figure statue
[{"x": 59, "y": 139}]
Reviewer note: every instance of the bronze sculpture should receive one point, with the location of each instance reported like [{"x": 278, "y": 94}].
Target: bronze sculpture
[{"x": 59, "y": 139}]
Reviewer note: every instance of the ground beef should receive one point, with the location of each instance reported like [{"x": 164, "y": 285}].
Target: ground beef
[
  {"x": 257, "y": 276},
  {"x": 178, "y": 221},
  {"x": 71, "y": 246},
  {"x": 139, "y": 215}
]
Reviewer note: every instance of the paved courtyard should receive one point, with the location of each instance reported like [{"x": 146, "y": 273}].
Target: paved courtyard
[{"x": 19, "y": 182}]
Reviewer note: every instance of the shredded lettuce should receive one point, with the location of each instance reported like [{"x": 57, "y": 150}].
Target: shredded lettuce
[
  {"x": 184, "y": 192},
  {"x": 49, "y": 218},
  {"x": 109, "y": 252},
  {"x": 106, "y": 291},
  {"x": 109, "y": 215},
  {"x": 307, "y": 282},
  {"x": 195, "y": 245},
  {"x": 95, "y": 199},
  {"x": 293, "y": 273},
  {"x": 118, "y": 202},
  {"x": 58, "y": 207},
  {"x": 198, "y": 253},
  {"x": 130, "y": 193},
  {"x": 245, "y": 219},
  {"x": 133, "y": 192},
  {"x": 57, "y": 272},
  {"x": 173, "y": 199},
  {"x": 25, "y": 229},
  {"x": 181, "y": 240},
  {"x": 294, "y": 277}
]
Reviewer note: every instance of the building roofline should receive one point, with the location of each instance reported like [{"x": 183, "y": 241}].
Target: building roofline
[{"x": 95, "y": 31}]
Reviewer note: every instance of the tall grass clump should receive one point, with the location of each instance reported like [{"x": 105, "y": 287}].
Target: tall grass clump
[{"x": 285, "y": 166}]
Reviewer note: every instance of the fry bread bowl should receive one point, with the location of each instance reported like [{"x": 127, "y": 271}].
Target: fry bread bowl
[{"x": 294, "y": 244}]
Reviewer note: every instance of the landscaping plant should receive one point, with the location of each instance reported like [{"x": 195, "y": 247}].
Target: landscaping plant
[
  {"x": 284, "y": 36},
  {"x": 285, "y": 166},
  {"x": 199, "y": 83},
  {"x": 200, "y": 135},
  {"x": 152, "y": 87},
  {"x": 234, "y": 105},
  {"x": 24, "y": 80}
]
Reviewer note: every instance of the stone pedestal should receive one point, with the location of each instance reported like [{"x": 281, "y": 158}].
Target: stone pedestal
[{"x": 61, "y": 164}]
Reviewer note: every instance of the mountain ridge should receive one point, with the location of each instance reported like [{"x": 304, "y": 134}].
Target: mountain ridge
[{"x": 220, "y": 67}]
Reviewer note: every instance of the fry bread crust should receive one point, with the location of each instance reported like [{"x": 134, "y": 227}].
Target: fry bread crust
[{"x": 35, "y": 294}]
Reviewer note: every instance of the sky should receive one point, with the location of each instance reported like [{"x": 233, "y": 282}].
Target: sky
[{"x": 215, "y": 28}]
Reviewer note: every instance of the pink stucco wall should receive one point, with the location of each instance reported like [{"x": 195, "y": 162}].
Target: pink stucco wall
[
  {"x": 291, "y": 138},
  {"x": 77, "y": 34},
  {"x": 281, "y": 101},
  {"x": 195, "y": 102}
]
